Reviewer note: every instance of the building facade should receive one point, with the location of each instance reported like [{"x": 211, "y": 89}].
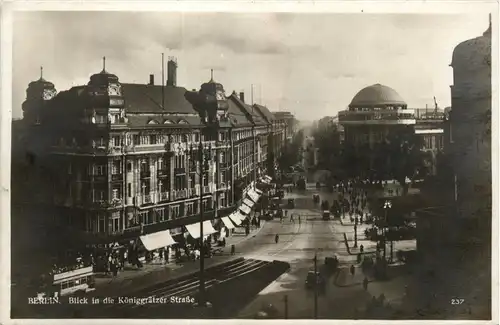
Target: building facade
[
  {"x": 377, "y": 111},
  {"x": 117, "y": 160}
]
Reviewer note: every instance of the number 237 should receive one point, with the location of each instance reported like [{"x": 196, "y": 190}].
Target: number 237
[{"x": 457, "y": 301}]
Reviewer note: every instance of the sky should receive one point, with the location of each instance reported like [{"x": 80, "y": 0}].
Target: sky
[{"x": 309, "y": 64}]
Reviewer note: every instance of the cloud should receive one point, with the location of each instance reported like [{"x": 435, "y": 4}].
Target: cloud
[{"x": 309, "y": 63}]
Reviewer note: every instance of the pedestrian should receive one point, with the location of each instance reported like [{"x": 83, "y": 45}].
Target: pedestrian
[
  {"x": 233, "y": 249},
  {"x": 291, "y": 218},
  {"x": 276, "y": 238},
  {"x": 361, "y": 248},
  {"x": 365, "y": 283},
  {"x": 286, "y": 213},
  {"x": 353, "y": 270}
]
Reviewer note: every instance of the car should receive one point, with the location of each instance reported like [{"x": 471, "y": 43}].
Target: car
[
  {"x": 326, "y": 215},
  {"x": 291, "y": 203},
  {"x": 315, "y": 278}
]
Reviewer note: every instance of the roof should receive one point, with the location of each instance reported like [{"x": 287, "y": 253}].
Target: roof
[
  {"x": 376, "y": 95},
  {"x": 163, "y": 119},
  {"x": 282, "y": 115},
  {"x": 265, "y": 112},
  {"x": 148, "y": 99},
  {"x": 473, "y": 52},
  {"x": 236, "y": 115},
  {"x": 257, "y": 118}
]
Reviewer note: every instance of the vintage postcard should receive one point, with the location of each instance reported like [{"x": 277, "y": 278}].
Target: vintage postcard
[{"x": 249, "y": 163}]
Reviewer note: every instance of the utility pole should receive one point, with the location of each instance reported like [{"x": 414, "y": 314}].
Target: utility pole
[
  {"x": 285, "y": 299},
  {"x": 384, "y": 233},
  {"x": 316, "y": 285},
  {"x": 355, "y": 230}
]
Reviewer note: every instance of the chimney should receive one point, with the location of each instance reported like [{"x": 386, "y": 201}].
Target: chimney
[
  {"x": 172, "y": 72},
  {"x": 151, "y": 79},
  {"x": 242, "y": 96}
]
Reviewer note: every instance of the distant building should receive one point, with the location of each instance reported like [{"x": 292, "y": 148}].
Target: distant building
[{"x": 377, "y": 110}]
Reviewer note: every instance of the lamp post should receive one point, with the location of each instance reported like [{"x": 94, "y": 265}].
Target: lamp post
[
  {"x": 387, "y": 205},
  {"x": 203, "y": 153}
]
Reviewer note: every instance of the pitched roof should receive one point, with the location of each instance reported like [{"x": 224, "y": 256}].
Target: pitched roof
[
  {"x": 236, "y": 115},
  {"x": 265, "y": 112},
  {"x": 148, "y": 99},
  {"x": 257, "y": 119}
]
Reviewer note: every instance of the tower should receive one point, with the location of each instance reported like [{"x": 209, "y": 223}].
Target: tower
[
  {"x": 172, "y": 72},
  {"x": 39, "y": 92}
]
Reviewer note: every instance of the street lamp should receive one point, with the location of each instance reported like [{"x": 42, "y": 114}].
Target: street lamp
[
  {"x": 387, "y": 205},
  {"x": 202, "y": 155}
]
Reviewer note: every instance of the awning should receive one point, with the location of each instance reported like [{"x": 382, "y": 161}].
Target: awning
[
  {"x": 237, "y": 218},
  {"x": 194, "y": 229},
  {"x": 227, "y": 222},
  {"x": 259, "y": 192},
  {"x": 245, "y": 209},
  {"x": 253, "y": 195},
  {"x": 268, "y": 178},
  {"x": 248, "y": 202},
  {"x": 156, "y": 240}
]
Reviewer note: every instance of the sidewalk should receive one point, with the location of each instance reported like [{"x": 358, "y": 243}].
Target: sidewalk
[{"x": 134, "y": 279}]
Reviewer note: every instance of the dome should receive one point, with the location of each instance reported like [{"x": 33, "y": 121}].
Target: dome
[
  {"x": 103, "y": 78},
  {"x": 377, "y": 95},
  {"x": 473, "y": 52}
]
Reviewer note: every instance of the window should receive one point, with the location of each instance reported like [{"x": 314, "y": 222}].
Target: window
[
  {"x": 136, "y": 139},
  {"x": 141, "y": 217},
  {"x": 175, "y": 211},
  {"x": 98, "y": 195},
  {"x": 102, "y": 223},
  {"x": 116, "y": 167},
  {"x": 129, "y": 189},
  {"x": 116, "y": 222},
  {"x": 101, "y": 142},
  {"x": 116, "y": 141},
  {"x": 149, "y": 217},
  {"x": 100, "y": 170},
  {"x": 116, "y": 194},
  {"x": 101, "y": 119},
  {"x": 129, "y": 167},
  {"x": 189, "y": 209},
  {"x": 144, "y": 166},
  {"x": 160, "y": 213},
  {"x": 160, "y": 187},
  {"x": 161, "y": 165},
  {"x": 145, "y": 187},
  {"x": 223, "y": 177},
  {"x": 152, "y": 139}
]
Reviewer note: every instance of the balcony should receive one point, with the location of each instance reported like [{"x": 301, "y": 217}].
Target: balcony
[
  {"x": 192, "y": 192},
  {"x": 148, "y": 198},
  {"x": 206, "y": 189},
  {"x": 378, "y": 117},
  {"x": 139, "y": 148},
  {"x": 116, "y": 177},
  {"x": 164, "y": 196},
  {"x": 179, "y": 194},
  {"x": 145, "y": 174}
]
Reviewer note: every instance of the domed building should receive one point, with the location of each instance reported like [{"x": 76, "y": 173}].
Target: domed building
[{"x": 373, "y": 113}]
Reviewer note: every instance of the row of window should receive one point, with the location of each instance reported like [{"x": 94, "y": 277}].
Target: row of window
[
  {"x": 117, "y": 222},
  {"x": 76, "y": 282}
]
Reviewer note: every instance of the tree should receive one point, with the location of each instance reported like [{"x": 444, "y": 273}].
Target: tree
[
  {"x": 327, "y": 141},
  {"x": 404, "y": 155}
]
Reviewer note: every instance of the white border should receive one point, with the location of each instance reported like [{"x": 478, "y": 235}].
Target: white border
[{"x": 223, "y": 6}]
